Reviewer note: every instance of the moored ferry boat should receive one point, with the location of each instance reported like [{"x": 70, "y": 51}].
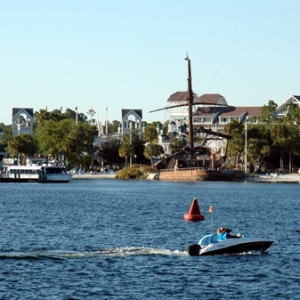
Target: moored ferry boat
[
  {"x": 45, "y": 173},
  {"x": 21, "y": 173},
  {"x": 52, "y": 173}
]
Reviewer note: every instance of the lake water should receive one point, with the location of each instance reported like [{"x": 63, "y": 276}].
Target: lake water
[{"x": 114, "y": 239}]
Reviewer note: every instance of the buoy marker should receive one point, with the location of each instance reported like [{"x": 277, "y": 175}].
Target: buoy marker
[{"x": 194, "y": 213}]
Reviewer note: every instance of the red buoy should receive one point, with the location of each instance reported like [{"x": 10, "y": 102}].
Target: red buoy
[{"x": 194, "y": 213}]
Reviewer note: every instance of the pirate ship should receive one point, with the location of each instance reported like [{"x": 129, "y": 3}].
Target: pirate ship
[{"x": 200, "y": 162}]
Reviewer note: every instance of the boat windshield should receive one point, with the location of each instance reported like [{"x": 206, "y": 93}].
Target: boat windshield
[{"x": 56, "y": 171}]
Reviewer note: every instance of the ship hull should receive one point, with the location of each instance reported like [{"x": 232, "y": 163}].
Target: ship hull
[{"x": 197, "y": 174}]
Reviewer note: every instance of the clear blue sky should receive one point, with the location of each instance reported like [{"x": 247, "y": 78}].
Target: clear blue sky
[{"x": 130, "y": 54}]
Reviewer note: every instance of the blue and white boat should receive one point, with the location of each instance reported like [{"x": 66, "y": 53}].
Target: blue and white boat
[
  {"x": 211, "y": 245},
  {"x": 52, "y": 173}
]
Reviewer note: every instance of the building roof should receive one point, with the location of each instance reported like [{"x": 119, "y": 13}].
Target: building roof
[
  {"x": 229, "y": 111},
  {"x": 139, "y": 112},
  {"x": 212, "y": 99},
  {"x": 280, "y": 110},
  {"x": 297, "y": 97},
  {"x": 28, "y": 110}
]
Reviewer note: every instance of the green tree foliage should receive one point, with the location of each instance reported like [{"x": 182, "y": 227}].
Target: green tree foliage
[
  {"x": 71, "y": 114},
  {"x": 41, "y": 116},
  {"x": 292, "y": 112},
  {"x": 134, "y": 172},
  {"x": 286, "y": 138},
  {"x": 176, "y": 145},
  {"x": 258, "y": 145},
  {"x": 23, "y": 144},
  {"x": 125, "y": 151},
  {"x": 236, "y": 145},
  {"x": 7, "y": 135},
  {"x": 153, "y": 150},
  {"x": 268, "y": 113},
  {"x": 130, "y": 145},
  {"x": 111, "y": 127},
  {"x": 109, "y": 150},
  {"x": 56, "y": 115},
  {"x": 50, "y": 137},
  {"x": 150, "y": 133},
  {"x": 65, "y": 137}
]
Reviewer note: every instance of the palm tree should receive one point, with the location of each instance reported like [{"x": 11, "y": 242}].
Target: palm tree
[
  {"x": 153, "y": 150},
  {"x": 125, "y": 151}
]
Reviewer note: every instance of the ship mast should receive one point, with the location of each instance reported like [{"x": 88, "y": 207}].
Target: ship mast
[{"x": 190, "y": 104}]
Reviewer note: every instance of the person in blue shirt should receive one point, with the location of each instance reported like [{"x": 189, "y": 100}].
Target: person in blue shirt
[{"x": 224, "y": 233}]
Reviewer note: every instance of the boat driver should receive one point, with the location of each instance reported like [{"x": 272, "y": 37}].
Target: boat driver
[{"x": 224, "y": 233}]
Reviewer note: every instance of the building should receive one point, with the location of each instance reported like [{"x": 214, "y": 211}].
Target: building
[
  {"x": 22, "y": 121},
  {"x": 130, "y": 116},
  {"x": 211, "y": 112}
]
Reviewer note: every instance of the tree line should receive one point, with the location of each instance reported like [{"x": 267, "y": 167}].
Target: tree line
[
  {"x": 57, "y": 134},
  {"x": 270, "y": 139}
]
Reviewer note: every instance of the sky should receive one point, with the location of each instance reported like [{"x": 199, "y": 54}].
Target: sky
[{"x": 129, "y": 54}]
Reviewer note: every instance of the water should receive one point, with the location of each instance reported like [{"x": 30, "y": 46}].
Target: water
[{"x": 114, "y": 239}]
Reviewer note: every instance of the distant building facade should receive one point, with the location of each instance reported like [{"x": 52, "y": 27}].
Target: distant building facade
[
  {"x": 22, "y": 121},
  {"x": 210, "y": 111},
  {"x": 135, "y": 116}
]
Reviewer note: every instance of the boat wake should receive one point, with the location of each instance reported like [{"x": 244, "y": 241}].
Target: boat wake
[{"x": 102, "y": 252}]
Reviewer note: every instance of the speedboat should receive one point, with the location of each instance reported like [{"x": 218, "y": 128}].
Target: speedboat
[{"x": 210, "y": 245}]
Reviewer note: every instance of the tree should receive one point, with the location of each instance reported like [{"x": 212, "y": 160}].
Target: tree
[
  {"x": 130, "y": 145},
  {"x": 50, "y": 138},
  {"x": 81, "y": 141},
  {"x": 7, "y": 135},
  {"x": 125, "y": 150},
  {"x": 109, "y": 150},
  {"x": 285, "y": 139},
  {"x": 268, "y": 113},
  {"x": 41, "y": 116},
  {"x": 150, "y": 133},
  {"x": 112, "y": 127},
  {"x": 259, "y": 144},
  {"x": 292, "y": 114},
  {"x": 176, "y": 145},
  {"x": 23, "y": 145},
  {"x": 65, "y": 137},
  {"x": 153, "y": 150},
  {"x": 236, "y": 145}
]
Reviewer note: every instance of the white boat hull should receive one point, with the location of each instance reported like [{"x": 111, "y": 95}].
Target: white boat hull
[
  {"x": 59, "y": 178},
  {"x": 50, "y": 173},
  {"x": 209, "y": 246}
]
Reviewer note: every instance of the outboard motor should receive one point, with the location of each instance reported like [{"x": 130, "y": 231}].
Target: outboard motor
[{"x": 194, "y": 249}]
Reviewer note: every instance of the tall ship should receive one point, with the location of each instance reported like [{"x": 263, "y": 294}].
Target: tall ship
[{"x": 196, "y": 162}]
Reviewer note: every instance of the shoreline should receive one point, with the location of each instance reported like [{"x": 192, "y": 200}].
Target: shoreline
[
  {"x": 280, "y": 178},
  {"x": 93, "y": 176}
]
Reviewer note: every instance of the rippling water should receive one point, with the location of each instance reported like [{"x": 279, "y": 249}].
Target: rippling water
[{"x": 114, "y": 239}]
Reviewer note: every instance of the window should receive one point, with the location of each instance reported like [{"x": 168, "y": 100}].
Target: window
[
  {"x": 223, "y": 120},
  {"x": 233, "y": 118},
  {"x": 206, "y": 120}
]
